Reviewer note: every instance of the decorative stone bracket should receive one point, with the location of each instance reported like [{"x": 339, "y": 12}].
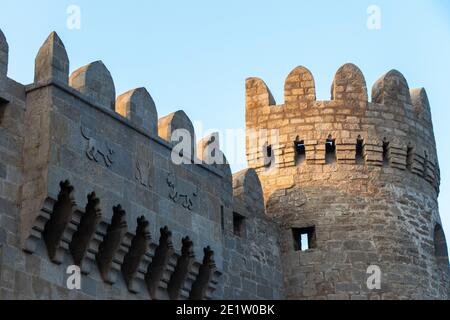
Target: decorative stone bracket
[{"x": 90, "y": 240}]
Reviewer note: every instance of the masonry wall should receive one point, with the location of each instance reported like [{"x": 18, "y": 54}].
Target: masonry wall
[
  {"x": 87, "y": 179},
  {"x": 376, "y": 209},
  {"x": 12, "y": 95},
  {"x": 252, "y": 255}
]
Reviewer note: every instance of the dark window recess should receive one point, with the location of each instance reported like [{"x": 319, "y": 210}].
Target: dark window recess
[
  {"x": 409, "y": 158},
  {"x": 359, "y": 150},
  {"x": 330, "y": 150},
  {"x": 222, "y": 218},
  {"x": 386, "y": 153},
  {"x": 440, "y": 246},
  {"x": 304, "y": 238},
  {"x": 268, "y": 156},
  {"x": 238, "y": 224},
  {"x": 300, "y": 151},
  {"x": 3, "y": 104},
  {"x": 269, "y": 151}
]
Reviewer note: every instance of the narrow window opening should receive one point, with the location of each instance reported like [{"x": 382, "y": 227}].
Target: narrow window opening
[
  {"x": 386, "y": 153},
  {"x": 222, "y": 218},
  {"x": 304, "y": 238},
  {"x": 269, "y": 151},
  {"x": 3, "y": 104},
  {"x": 300, "y": 151},
  {"x": 330, "y": 150},
  {"x": 268, "y": 156},
  {"x": 440, "y": 245},
  {"x": 238, "y": 224},
  {"x": 359, "y": 150},
  {"x": 409, "y": 158}
]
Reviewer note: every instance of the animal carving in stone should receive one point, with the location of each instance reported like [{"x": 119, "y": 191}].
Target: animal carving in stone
[
  {"x": 96, "y": 149},
  {"x": 182, "y": 195}
]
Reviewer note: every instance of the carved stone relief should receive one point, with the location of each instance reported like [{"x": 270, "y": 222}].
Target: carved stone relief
[
  {"x": 97, "y": 150},
  {"x": 143, "y": 173},
  {"x": 181, "y": 194}
]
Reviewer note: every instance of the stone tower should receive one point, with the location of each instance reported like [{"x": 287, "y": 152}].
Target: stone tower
[{"x": 352, "y": 183}]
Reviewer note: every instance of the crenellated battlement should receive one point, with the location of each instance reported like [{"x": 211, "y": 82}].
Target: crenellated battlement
[
  {"x": 352, "y": 182},
  {"x": 393, "y": 130},
  {"x": 94, "y": 84},
  {"x": 117, "y": 150},
  {"x": 89, "y": 178}
]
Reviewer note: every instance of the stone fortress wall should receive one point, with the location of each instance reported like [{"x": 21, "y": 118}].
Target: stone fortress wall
[
  {"x": 361, "y": 177},
  {"x": 87, "y": 179}
]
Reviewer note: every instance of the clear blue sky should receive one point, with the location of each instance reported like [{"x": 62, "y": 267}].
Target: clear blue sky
[{"x": 195, "y": 55}]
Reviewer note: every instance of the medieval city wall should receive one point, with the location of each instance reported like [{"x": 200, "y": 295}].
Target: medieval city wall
[{"x": 87, "y": 179}]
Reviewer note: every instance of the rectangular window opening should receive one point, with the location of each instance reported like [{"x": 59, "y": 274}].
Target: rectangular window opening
[
  {"x": 238, "y": 224},
  {"x": 304, "y": 238},
  {"x": 359, "y": 151},
  {"x": 3, "y": 104},
  {"x": 330, "y": 151},
  {"x": 269, "y": 157},
  {"x": 300, "y": 151}
]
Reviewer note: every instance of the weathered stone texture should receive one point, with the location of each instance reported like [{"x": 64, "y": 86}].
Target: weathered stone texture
[
  {"x": 89, "y": 180},
  {"x": 138, "y": 106},
  {"x": 372, "y": 200},
  {"x": 83, "y": 184},
  {"x": 52, "y": 62},
  {"x": 299, "y": 86},
  {"x": 95, "y": 82},
  {"x": 252, "y": 258},
  {"x": 4, "y": 49},
  {"x": 349, "y": 84}
]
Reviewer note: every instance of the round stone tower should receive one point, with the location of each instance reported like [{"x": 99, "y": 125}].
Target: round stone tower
[{"x": 354, "y": 185}]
